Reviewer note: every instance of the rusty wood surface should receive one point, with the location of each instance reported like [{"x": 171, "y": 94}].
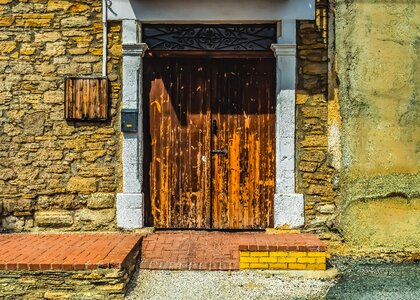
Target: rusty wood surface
[
  {"x": 86, "y": 99},
  {"x": 190, "y": 187},
  {"x": 180, "y": 143},
  {"x": 243, "y": 106}
]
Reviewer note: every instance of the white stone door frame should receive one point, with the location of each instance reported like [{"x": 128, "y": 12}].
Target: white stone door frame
[
  {"x": 288, "y": 206},
  {"x": 130, "y": 203}
]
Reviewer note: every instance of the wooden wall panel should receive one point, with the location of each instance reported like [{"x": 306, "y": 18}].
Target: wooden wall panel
[{"x": 86, "y": 99}]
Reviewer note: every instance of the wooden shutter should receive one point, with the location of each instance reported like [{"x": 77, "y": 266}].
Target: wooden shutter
[{"x": 86, "y": 99}]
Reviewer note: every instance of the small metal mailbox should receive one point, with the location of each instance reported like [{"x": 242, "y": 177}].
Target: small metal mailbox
[{"x": 129, "y": 120}]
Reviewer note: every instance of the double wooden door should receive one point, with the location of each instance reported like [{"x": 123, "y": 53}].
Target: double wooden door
[{"x": 210, "y": 128}]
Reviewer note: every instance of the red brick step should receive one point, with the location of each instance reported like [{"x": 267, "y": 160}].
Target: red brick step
[
  {"x": 67, "y": 252},
  {"x": 202, "y": 250}
]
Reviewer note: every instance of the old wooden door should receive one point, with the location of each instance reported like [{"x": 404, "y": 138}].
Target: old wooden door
[
  {"x": 211, "y": 126},
  {"x": 179, "y": 113},
  {"x": 243, "y": 120}
]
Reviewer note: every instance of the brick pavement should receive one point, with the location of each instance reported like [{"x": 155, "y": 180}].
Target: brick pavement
[
  {"x": 202, "y": 250},
  {"x": 67, "y": 252}
]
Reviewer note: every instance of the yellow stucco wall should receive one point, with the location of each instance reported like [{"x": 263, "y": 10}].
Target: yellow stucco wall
[{"x": 377, "y": 45}]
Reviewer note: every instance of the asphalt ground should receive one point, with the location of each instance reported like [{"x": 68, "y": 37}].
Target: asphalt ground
[{"x": 374, "y": 280}]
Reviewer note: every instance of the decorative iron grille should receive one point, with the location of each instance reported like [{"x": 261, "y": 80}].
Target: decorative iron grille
[{"x": 228, "y": 37}]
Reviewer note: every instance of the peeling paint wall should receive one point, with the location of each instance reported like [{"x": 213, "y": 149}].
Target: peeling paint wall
[{"x": 377, "y": 47}]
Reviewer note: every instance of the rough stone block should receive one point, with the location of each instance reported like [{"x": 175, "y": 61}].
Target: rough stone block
[
  {"x": 308, "y": 166},
  {"x": 315, "y": 68},
  {"x": 54, "y": 5},
  {"x": 315, "y": 141},
  {"x": 101, "y": 201},
  {"x": 6, "y": 20},
  {"x": 100, "y": 170},
  {"x": 79, "y": 21},
  {"x": 27, "y": 50},
  {"x": 61, "y": 201},
  {"x": 33, "y": 22},
  {"x": 54, "y": 218},
  {"x": 93, "y": 155},
  {"x": 7, "y": 46},
  {"x": 7, "y": 174},
  {"x": 53, "y": 96},
  {"x": 43, "y": 37},
  {"x": 54, "y": 49},
  {"x": 17, "y": 205},
  {"x": 78, "y": 7},
  {"x": 314, "y": 155},
  {"x": 33, "y": 123},
  {"x": 317, "y": 189},
  {"x": 82, "y": 185},
  {"x": 93, "y": 219},
  {"x": 56, "y": 295},
  {"x": 327, "y": 208},
  {"x": 12, "y": 223}
]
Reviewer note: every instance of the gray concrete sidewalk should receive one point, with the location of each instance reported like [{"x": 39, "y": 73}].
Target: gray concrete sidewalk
[
  {"x": 358, "y": 280},
  {"x": 210, "y": 285}
]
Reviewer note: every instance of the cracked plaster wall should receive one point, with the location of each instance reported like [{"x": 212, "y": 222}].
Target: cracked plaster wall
[{"x": 378, "y": 45}]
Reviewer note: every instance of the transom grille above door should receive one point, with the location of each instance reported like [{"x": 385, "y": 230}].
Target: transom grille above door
[{"x": 210, "y": 37}]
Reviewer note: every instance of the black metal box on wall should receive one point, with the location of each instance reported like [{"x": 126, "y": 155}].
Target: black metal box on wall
[{"x": 129, "y": 120}]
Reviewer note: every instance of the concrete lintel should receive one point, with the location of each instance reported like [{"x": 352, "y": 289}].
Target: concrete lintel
[
  {"x": 130, "y": 211},
  {"x": 289, "y": 210}
]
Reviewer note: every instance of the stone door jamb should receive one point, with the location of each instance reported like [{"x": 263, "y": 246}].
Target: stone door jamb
[{"x": 130, "y": 203}]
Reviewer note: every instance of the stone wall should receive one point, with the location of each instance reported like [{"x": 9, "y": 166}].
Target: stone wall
[
  {"x": 317, "y": 175},
  {"x": 357, "y": 136},
  {"x": 60, "y": 175},
  {"x": 80, "y": 285},
  {"x": 378, "y": 48},
  {"x": 55, "y": 174}
]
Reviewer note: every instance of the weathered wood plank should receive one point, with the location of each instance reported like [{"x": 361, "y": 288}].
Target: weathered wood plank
[
  {"x": 179, "y": 136},
  {"x": 244, "y": 109},
  {"x": 190, "y": 187},
  {"x": 86, "y": 99}
]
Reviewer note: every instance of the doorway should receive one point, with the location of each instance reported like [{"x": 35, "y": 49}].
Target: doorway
[{"x": 209, "y": 127}]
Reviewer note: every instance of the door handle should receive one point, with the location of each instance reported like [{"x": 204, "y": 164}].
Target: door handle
[
  {"x": 214, "y": 127},
  {"x": 219, "y": 151}
]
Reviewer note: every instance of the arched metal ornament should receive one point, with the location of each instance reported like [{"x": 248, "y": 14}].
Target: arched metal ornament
[{"x": 210, "y": 37}]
